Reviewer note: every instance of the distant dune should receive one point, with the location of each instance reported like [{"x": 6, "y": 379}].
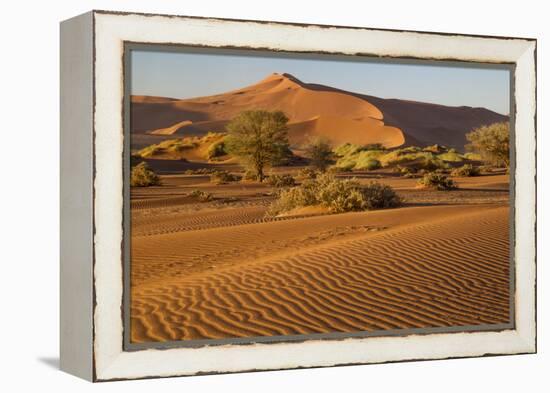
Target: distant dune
[{"x": 314, "y": 110}]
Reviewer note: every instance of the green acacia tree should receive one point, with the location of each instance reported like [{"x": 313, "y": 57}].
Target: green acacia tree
[
  {"x": 492, "y": 143},
  {"x": 259, "y": 138}
]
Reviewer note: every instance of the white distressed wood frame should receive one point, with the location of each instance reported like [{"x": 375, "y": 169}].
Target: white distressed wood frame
[{"x": 92, "y": 72}]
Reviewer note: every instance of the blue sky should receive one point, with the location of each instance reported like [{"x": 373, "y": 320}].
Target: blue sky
[{"x": 186, "y": 75}]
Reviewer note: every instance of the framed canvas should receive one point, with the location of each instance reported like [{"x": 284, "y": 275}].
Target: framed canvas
[{"x": 246, "y": 195}]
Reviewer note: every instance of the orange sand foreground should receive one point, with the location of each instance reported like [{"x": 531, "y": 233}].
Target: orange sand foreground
[{"x": 222, "y": 270}]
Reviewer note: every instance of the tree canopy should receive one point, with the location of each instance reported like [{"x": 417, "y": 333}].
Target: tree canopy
[
  {"x": 258, "y": 137},
  {"x": 492, "y": 143}
]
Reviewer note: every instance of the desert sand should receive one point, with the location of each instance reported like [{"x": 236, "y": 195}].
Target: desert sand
[{"x": 222, "y": 269}]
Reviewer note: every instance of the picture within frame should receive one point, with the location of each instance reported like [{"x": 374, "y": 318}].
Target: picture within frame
[
  {"x": 367, "y": 216},
  {"x": 361, "y": 302}
]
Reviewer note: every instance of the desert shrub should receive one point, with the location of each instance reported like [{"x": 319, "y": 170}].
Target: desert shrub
[
  {"x": 150, "y": 151},
  {"x": 216, "y": 149},
  {"x": 285, "y": 180},
  {"x": 466, "y": 170},
  {"x": 374, "y": 146},
  {"x": 402, "y": 156},
  {"x": 307, "y": 173},
  {"x": 451, "y": 156},
  {"x": 472, "y": 156},
  {"x": 319, "y": 153},
  {"x": 492, "y": 143},
  {"x": 403, "y": 170},
  {"x": 359, "y": 158},
  {"x": 347, "y": 149},
  {"x": 368, "y": 164},
  {"x": 336, "y": 195},
  {"x": 202, "y": 196},
  {"x": 176, "y": 147},
  {"x": 436, "y": 181},
  {"x": 380, "y": 196},
  {"x": 436, "y": 149},
  {"x": 200, "y": 171},
  {"x": 223, "y": 177},
  {"x": 346, "y": 164},
  {"x": 142, "y": 176},
  {"x": 432, "y": 164}
]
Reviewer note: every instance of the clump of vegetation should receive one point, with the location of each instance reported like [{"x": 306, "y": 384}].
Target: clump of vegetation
[
  {"x": 143, "y": 176},
  {"x": 319, "y": 153},
  {"x": 307, "y": 173},
  {"x": 284, "y": 180},
  {"x": 178, "y": 148},
  {"x": 149, "y": 151},
  {"x": 223, "y": 177},
  {"x": 451, "y": 156},
  {"x": 200, "y": 171},
  {"x": 368, "y": 164},
  {"x": 216, "y": 149},
  {"x": 259, "y": 138},
  {"x": 405, "y": 170},
  {"x": 336, "y": 195},
  {"x": 436, "y": 181},
  {"x": 202, "y": 196},
  {"x": 347, "y": 149},
  {"x": 436, "y": 149},
  {"x": 466, "y": 171},
  {"x": 472, "y": 156},
  {"x": 359, "y": 157},
  {"x": 380, "y": 196},
  {"x": 492, "y": 143}
]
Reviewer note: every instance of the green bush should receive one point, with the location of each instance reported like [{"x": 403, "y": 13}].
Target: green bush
[
  {"x": 451, "y": 156},
  {"x": 202, "y": 196},
  {"x": 336, "y": 195},
  {"x": 143, "y": 176},
  {"x": 436, "y": 181},
  {"x": 347, "y": 149},
  {"x": 223, "y": 177},
  {"x": 380, "y": 196},
  {"x": 285, "y": 180},
  {"x": 216, "y": 149},
  {"x": 472, "y": 156},
  {"x": 466, "y": 171},
  {"x": 368, "y": 164},
  {"x": 492, "y": 143}
]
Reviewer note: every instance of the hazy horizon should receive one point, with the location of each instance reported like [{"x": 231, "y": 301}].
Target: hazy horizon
[{"x": 188, "y": 75}]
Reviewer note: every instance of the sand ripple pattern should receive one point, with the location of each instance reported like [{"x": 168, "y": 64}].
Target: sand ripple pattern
[{"x": 438, "y": 273}]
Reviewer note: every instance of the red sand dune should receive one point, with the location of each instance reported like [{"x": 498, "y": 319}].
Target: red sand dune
[{"x": 314, "y": 110}]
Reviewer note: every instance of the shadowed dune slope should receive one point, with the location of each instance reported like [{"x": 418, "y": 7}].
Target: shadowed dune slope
[
  {"x": 426, "y": 267},
  {"x": 314, "y": 110}
]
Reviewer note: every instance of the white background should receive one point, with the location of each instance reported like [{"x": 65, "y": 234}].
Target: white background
[{"x": 29, "y": 204}]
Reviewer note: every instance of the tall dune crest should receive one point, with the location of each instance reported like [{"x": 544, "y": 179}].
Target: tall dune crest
[{"x": 314, "y": 111}]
